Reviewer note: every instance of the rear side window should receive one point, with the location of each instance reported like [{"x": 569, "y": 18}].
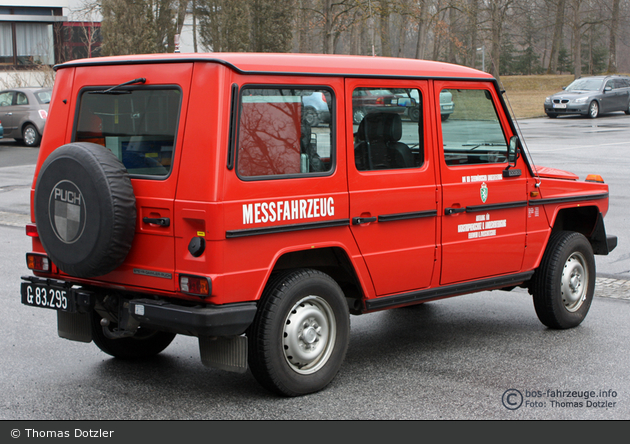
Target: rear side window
[
  {"x": 138, "y": 125},
  {"x": 284, "y": 132}
]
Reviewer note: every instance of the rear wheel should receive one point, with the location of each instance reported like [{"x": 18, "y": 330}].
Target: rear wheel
[
  {"x": 144, "y": 344},
  {"x": 30, "y": 136},
  {"x": 627, "y": 110},
  {"x": 564, "y": 283},
  {"x": 552, "y": 115},
  {"x": 300, "y": 335}
]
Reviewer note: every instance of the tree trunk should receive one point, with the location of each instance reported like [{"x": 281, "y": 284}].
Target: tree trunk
[
  {"x": 577, "y": 40},
  {"x": 557, "y": 38},
  {"x": 473, "y": 17},
  {"x": 386, "y": 50},
  {"x": 612, "y": 47},
  {"x": 422, "y": 29}
]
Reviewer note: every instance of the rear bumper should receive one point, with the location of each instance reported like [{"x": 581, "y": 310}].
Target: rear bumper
[{"x": 225, "y": 320}]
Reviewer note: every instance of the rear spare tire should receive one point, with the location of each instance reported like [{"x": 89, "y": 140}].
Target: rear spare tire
[{"x": 85, "y": 209}]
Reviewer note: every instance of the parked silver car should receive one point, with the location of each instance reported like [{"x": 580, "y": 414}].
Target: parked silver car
[
  {"x": 23, "y": 112},
  {"x": 591, "y": 96}
]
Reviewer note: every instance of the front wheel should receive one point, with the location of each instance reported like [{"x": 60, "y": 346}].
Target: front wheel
[
  {"x": 593, "y": 110},
  {"x": 299, "y": 337},
  {"x": 564, "y": 283}
]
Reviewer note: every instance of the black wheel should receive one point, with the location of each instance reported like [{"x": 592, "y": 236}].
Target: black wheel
[
  {"x": 593, "y": 110},
  {"x": 552, "y": 115},
  {"x": 299, "y": 337},
  {"x": 311, "y": 117},
  {"x": 564, "y": 283},
  {"x": 627, "y": 110},
  {"x": 144, "y": 344},
  {"x": 414, "y": 114},
  {"x": 85, "y": 209},
  {"x": 444, "y": 117},
  {"x": 30, "y": 136}
]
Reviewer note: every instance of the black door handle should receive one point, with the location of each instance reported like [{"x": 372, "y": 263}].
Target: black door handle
[
  {"x": 362, "y": 220},
  {"x": 449, "y": 211},
  {"x": 161, "y": 221}
]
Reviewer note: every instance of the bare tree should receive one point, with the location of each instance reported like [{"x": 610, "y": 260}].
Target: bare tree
[{"x": 614, "y": 28}]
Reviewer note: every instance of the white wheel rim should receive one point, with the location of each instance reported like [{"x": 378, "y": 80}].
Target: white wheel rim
[
  {"x": 29, "y": 136},
  {"x": 309, "y": 335},
  {"x": 574, "y": 285}
]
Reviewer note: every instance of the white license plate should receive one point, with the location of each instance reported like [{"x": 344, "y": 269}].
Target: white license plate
[
  {"x": 560, "y": 105},
  {"x": 47, "y": 296}
]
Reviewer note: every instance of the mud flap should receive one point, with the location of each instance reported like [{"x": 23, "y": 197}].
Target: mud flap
[
  {"x": 226, "y": 353},
  {"x": 74, "y": 326}
]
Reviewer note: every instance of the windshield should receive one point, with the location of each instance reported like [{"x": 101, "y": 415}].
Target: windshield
[{"x": 585, "y": 85}]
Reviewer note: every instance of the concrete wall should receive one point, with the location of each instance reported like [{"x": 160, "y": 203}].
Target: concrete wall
[{"x": 16, "y": 79}]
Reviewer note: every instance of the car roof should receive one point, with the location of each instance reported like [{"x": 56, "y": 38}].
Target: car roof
[{"x": 309, "y": 64}]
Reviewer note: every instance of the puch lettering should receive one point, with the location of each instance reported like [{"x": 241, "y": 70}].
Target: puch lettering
[
  {"x": 296, "y": 209},
  {"x": 68, "y": 196}
]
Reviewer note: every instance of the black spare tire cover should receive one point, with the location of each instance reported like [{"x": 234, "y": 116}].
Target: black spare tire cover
[{"x": 85, "y": 209}]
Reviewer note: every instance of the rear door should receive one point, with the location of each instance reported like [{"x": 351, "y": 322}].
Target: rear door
[
  {"x": 484, "y": 215},
  {"x": 391, "y": 180},
  {"x": 142, "y": 124}
]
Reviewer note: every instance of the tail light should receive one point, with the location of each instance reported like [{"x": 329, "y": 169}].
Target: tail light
[
  {"x": 37, "y": 262},
  {"x": 43, "y": 114},
  {"x": 380, "y": 101},
  {"x": 31, "y": 230},
  {"x": 195, "y": 285}
]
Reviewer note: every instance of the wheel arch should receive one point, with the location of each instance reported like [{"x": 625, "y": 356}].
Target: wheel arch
[
  {"x": 587, "y": 220},
  {"x": 332, "y": 260}
]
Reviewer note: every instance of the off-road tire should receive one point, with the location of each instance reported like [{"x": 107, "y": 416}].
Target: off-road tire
[
  {"x": 299, "y": 309},
  {"x": 564, "y": 283},
  {"x": 85, "y": 209}
]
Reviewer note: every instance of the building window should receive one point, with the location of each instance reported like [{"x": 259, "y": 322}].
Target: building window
[
  {"x": 34, "y": 44},
  {"x": 28, "y": 36}
]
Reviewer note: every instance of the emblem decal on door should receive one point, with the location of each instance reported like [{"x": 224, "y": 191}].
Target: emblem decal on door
[{"x": 484, "y": 192}]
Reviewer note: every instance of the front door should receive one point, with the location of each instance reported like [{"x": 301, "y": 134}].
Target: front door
[
  {"x": 484, "y": 215},
  {"x": 391, "y": 178}
]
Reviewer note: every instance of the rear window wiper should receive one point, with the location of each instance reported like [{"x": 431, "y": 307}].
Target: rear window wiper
[{"x": 114, "y": 89}]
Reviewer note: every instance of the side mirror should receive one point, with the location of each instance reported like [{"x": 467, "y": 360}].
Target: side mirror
[
  {"x": 510, "y": 171},
  {"x": 608, "y": 88},
  {"x": 513, "y": 150}
]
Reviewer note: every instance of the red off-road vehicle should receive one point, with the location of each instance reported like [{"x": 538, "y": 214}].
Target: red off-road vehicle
[{"x": 188, "y": 194}]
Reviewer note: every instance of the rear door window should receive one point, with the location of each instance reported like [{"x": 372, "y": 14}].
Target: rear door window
[{"x": 139, "y": 125}]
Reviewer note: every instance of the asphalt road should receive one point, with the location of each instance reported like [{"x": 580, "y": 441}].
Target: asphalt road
[{"x": 480, "y": 356}]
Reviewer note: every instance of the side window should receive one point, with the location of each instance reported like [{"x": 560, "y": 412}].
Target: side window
[
  {"x": 6, "y": 98},
  {"x": 284, "y": 132},
  {"x": 473, "y": 134},
  {"x": 22, "y": 99},
  {"x": 388, "y": 128}
]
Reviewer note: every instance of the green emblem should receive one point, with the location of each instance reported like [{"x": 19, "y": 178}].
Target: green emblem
[{"x": 484, "y": 192}]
